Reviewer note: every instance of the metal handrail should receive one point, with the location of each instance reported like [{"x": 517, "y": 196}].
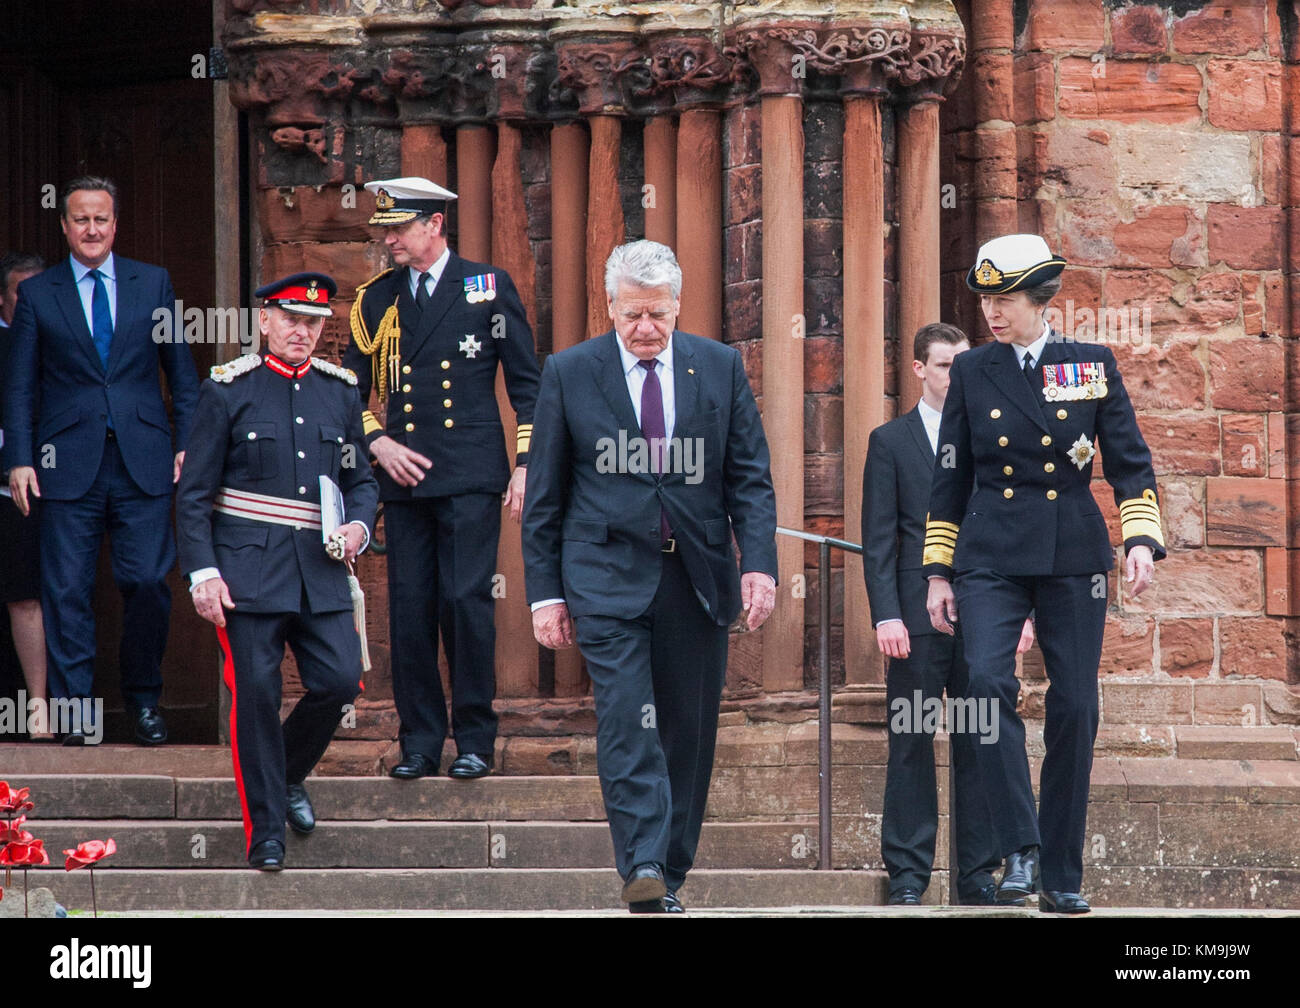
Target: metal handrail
[{"x": 824, "y": 544}]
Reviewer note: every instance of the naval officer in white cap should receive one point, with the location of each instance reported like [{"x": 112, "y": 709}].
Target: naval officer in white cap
[
  {"x": 427, "y": 338},
  {"x": 1013, "y": 529}
]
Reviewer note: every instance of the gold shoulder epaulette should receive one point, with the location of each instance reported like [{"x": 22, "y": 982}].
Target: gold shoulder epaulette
[
  {"x": 229, "y": 371},
  {"x": 360, "y": 332},
  {"x": 383, "y": 347},
  {"x": 333, "y": 370}
]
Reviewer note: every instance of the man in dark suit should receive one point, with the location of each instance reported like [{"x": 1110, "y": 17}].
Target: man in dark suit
[
  {"x": 648, "y": 453},
  {"x": 428, "y": 336},
  {"x": 1012, "y": 518},
  {"x": 922, "y": 661},
  {"x": 250, "y": 511},
  {"x": 85, "y": 411}
]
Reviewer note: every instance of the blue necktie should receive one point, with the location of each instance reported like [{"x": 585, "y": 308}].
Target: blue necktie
[
  {"x": 653, "y": 427},
  {"x": 102, "y": 332}
]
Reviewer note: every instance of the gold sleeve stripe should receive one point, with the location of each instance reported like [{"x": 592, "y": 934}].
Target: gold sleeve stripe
[
  {"x": 936, "y": 554},
  {"x": 369, "y": 423},
  {"x": 1134, "y": 527},
  {"x": 1129, "y": 510},
  {"x": 523, "y": 438}
]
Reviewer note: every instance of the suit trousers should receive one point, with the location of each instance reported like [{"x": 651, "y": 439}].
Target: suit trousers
[
  {"x": 1070, "y": 616},
  {"x": 911, "y": 815},
  {"x": 143, "y": 551},
  {"x": 657, "y": 682},
  {"x": 442, "y": 553},
  {"x": 269, "y": 756}
]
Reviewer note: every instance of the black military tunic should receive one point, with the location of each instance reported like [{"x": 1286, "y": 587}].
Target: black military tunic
[
  {"x": 267, "y": 431},
  {"x": 435, "y": 374},
  {"x": 1012, "y": 516}
]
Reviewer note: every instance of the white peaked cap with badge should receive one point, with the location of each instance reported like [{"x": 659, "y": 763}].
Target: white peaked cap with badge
[
  {"x": 403, "y": 199},
  {"x": 1011, "y": 263}
]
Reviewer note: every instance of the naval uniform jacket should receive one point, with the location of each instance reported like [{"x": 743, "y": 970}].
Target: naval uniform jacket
[
  {"x": 1011, "y": 488},
  {"x": 259, "y": 431},
  {"x": 443, "y": 402}
]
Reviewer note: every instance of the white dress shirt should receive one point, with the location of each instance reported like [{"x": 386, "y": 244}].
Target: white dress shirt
[{"x": 435, "y": 273}]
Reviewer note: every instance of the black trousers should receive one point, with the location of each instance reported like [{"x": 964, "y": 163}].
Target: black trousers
[
  {"x": 139, "y": 527},
  {"x": 1070, "y": 616},
  {"x": 657, "y": 682},
  {"x": 442, "y": 553},
  {"x": 267, "y": 755},
  {"x": 911, "y": 814}
]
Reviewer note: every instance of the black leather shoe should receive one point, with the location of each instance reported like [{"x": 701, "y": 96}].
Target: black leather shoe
[
  {"x": 671, "y": 903},
  {"x": 76, "y": 737},
  {"x": 298, "y": 812},
  {"x": 645, "y": 884},
  {"x": 1051, "y": 901},
  {"x": 647, "y": 907},
  {"x": 150, "y": 728},
  {"x": 413, "y": 766},
  {"x": 267, "y": 856},
  {"x": 907, "y": 896},
  {"x": 470, "y": 766},
  {"x": 988, "y": 896},
  {"x": 1020, "y": 876}
]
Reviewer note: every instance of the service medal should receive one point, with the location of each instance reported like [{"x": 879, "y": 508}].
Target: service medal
[{"x": 1081, "y": 452}]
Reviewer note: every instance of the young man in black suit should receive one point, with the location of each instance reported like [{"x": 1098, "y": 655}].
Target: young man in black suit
[{"x": 922, "y": 661}]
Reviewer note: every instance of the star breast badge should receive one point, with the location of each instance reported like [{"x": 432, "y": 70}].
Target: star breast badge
[
  {"x": 470, "y": 346},
  {"x": 1082, "y": 451}
]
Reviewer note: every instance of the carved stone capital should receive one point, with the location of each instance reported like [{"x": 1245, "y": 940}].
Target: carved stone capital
[
  {"x": 936, "y": 62},
  {"x": 293, "y": 87},
  {"x": 692, "y": 69},
  {"x": 778, "y": 54},
  {"x": 519, "y": 75},
  {"x": 603, "y": 74}
]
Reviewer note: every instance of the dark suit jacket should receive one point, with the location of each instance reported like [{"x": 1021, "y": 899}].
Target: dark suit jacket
[
  {"x": 895, "y": 496},
  {"x": 591, "y": 536},
  {"x": 449, "y": 357},
  {"x": 59, "y": 396},
  {"x": 1011, "y": 497},
  {"x": 248, "y": 438}
]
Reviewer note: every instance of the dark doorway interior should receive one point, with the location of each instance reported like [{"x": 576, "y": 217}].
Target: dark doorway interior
[{"x": 88, "y": 87}]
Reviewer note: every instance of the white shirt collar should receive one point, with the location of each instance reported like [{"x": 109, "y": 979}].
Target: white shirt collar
[
  {"x": 1035, "y": 348},
  {"x": 631, "y": 360},
  {"x": 80, "y": 269},
  {"x": 435, "y": 270},
  {"x": 929, "y": 415}
]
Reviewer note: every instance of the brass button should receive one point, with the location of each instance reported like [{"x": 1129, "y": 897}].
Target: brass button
[
  {"x": 1003, "y": 440},
  {"x": 1061, "y": 414},
  {"x": 446, "y": 383},
  {"x": 1051, "y": 495},
  {"x": 449, "y": 422},
  {"x": 1006, "y": 470},
  {"x": 995, "y": 414},
  {"x": 252, "y": 435},
  {"x": 406, "y": 388},
  {"x": 1049, "y": 467},
  {"x": 1008, "y": 493},
  {"x": 446, "y": 364},
  {"x": 446, "y": 404},
  {"x": 410, "y": 427},
  {"x": 407, "y": 408},
  {"x": 406, "y": 369},
  {"x": 1047, "y": 439}
]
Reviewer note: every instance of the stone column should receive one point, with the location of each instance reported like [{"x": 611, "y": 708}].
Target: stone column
[
  {"x": 511, "y": 53},
  {"x": 863, "y": 86},
  {"x": 660, "y": 198},
  {"x": 994, "y": 136},
  {"x": 592, "y": 61},
  {"x": 772, "y": 53},
  {"x": 689, "y": 65}
]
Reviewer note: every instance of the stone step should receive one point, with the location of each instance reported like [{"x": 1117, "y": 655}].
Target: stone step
[
  {"x": 1259, "y": 742},
  {"x": 198, "y": 890},
  {"x": 215, "y": 844}
]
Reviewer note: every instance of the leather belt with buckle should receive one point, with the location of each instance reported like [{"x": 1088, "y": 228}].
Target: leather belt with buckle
[{"x": 668, "y": 546}]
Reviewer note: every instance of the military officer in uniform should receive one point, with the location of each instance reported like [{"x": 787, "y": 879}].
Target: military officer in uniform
[
  {"x": 1013, "y": 528},
  {"x": 249, "y": 513},
  {"x": 427, "y": 337}
]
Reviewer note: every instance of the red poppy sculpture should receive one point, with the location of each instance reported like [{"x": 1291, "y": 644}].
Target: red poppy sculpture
[{"x": 85, "y": 856}]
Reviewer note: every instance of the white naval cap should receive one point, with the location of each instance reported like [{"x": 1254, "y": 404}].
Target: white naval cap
[
  {"x": 1012, "y": 262},
  {"x": 403, "y": 199}
]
